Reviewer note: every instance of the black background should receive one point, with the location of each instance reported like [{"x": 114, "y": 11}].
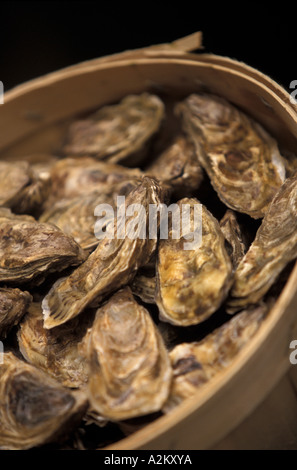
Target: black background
[{"x": 40, "y": 37}]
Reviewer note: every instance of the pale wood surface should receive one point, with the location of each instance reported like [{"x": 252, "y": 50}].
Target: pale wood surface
[{"x": 272, "y": 425}]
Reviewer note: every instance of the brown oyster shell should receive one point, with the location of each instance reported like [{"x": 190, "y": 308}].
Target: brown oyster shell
[
  {"x": 130, "y": 373},
  {"x": 241, "y": 159},
  {"x": 290, "y": 163},
  {"x": 22, "y": 189},
  {"x": 75, "y": 216},
  {"x": 144, "y": 283},
  {"x": 233, "y": 234},
  {"x": 192, "y": 284},
  {"x": 13, "y": 305},
  {"x": 56, "y": 352},
  {"x": 14, "y": 176},
  {"x": 144, "y": 287},
  {"x": 178, "y": 166},
  {"x": 32, "y": 197},
  {"x": 195, "y": 364},
  {"x": 30, "y": 250},
  {"x": 274, "y": 247},
  {"x": 113, "y": 264},
  {"x": 117, "y": 132},
  {"x": 34, "y": 408},
  {"x": 73, "y": 177}
]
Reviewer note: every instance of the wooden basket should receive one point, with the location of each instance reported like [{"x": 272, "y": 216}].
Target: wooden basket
[{"x": 253, "y": 403}]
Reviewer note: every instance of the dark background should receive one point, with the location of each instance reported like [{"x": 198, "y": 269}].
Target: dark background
[{"x": 40, "y": 37}]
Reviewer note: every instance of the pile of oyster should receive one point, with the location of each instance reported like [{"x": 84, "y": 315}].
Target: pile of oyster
[{"x": 102, "y": 336}]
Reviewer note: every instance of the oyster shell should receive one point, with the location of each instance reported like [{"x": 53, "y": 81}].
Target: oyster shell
[
  {"x": 194, "y": 364},
  {"x": 130, "y": 373},
  {"x": 34, "y": 408},
  {"x": 144, "y": 283},
  {"x": 178, "y": 166},
  {"x": 82, "y": 176},
  {"x": 274, "y": 247},
  {"x": 117, "y": 132},
  {"x": 13, "y": 305},
  {"x": 56, "y": 352},
  {"x": 290, "y": 163},
  {"x": 242, "y": 160},
  {"x": 21, "y": 188},
  {"x": 32, "y": 197},
  {"x": 144, "y": 287},
  {"x": 76, "y": 217},
  {"x": 30, "y": 250},
  {"x": 113, "y": 264},
  {"x": 232, "y": 233},
  {"x": 14, "y": 176},
  {"x": 192, "y": 284}
]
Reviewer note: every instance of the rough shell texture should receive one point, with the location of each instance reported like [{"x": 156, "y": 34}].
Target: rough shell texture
[
  {"x": 274, "y": 247},
  {"x": 76, "y": 217},
  {"x": 144, "y": 287},
  {"x": 113, "y": 264},
  {"x": 72, "y": 177},
  {"x": 13, "y": 305},
  {"x": 117, "y": 132},
  {"x": 130, "y": 373},
  {"x": 192, "y": 284},
  {"x": 30, "y": 250},
  {"x": 33, "y": 197},
  {"x": 56, "y": 352},
  {"x": 290, "y": 163},
  {"x": 232, "y": 233},
  {"x": 241, "y": 159},
  {"x": 178, "y": 166},
  {"x": 13, "y": 178},
  {"x": 21, "y": 188},
  {"x": 34, "y": 408},
  {"x": 194, "y": 364}
]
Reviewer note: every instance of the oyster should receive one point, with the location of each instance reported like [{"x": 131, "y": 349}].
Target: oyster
[
  {"x": 144, "y": 283},
  {"x": 178, "y": 166},
  {"x": 192, "y": 284},
  {"x": 81, "y": 176},
  {"x": 30, "y": 250},
  {"x": 117, "y": 132},
  {"x": 144, "y": 287},
  {"x": 13, "y": 305},
  {"x": 290, "y": 163},
  {"x": 274, "y": 247},
  {"x": 56, "y": 352},
  {"x": 34, "y": 408},
  {"x": 242, "y": 160},
  {"x": 21, "y": 188},
  {"x": 32, "y": 197},
  {"x": 194, "y": 364},
  {"x": 232, "y": 233},
  {"x": 113, "y": 264},
  {"x": 76, "y": 217},
  {"x": 130, "y": 373},
  {"x": 14, "y": 176}
]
